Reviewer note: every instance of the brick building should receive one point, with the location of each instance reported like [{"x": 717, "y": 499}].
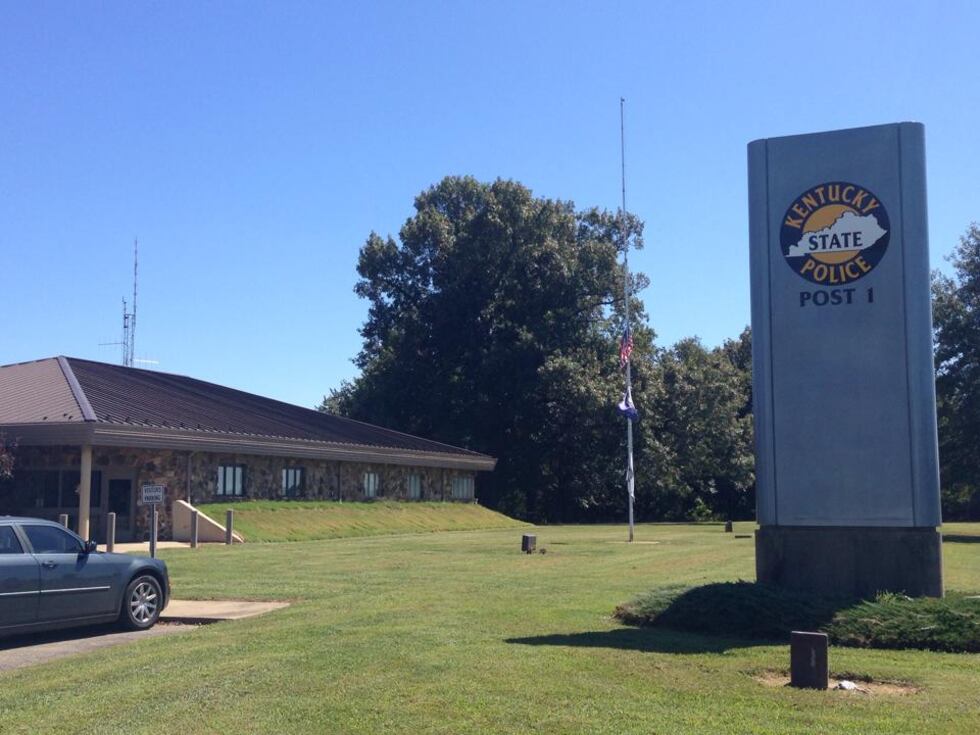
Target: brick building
[{"x": 90, "y": 429}]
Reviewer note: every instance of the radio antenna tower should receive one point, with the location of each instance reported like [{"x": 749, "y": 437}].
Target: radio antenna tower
[
  {"x": 130, "y": 346},
  {"x": 128, "y": 342}
]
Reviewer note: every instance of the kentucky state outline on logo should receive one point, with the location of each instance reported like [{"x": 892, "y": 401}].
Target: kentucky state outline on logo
[{"x": 835, "y": 233}]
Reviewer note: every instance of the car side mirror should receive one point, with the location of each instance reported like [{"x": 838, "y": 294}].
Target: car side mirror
[{"x": 89, "y": 547}]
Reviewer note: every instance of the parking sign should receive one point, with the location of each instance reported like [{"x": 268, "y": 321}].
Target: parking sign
[{"x": 152, "y": 494}]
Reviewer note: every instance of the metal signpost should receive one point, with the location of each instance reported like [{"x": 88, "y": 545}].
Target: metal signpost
[
  {"x": 843, "y": 381},
  {"x": 153, "y": 495}
]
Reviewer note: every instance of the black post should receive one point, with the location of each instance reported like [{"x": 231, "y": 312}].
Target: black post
[
  {"x": 809, "y": 667},
  {"x": 154, "y": 519}
]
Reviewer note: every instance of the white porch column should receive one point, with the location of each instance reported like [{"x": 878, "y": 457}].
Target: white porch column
[{"x": 85, "y": 491}]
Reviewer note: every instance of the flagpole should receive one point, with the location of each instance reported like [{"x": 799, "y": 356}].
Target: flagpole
[{"x": 626, "y": 294}]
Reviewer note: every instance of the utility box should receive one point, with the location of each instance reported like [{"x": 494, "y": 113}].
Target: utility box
[{"x": 529, "y": 543}]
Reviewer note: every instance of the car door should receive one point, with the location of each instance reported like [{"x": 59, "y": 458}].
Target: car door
[
  {"x": 20, "y": 581},
  {"x": 73, "y": 584}
]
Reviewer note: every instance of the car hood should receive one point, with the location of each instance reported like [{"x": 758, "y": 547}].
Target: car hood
[{"x": 158, "y": 563}]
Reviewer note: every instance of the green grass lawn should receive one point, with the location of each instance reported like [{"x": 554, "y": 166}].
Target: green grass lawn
[
  {"x": 287, "y": 520},
  {"x": 460, "y": 633}
]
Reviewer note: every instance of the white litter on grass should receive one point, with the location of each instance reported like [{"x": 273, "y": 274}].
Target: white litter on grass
[{"x": 850, "y": 686}]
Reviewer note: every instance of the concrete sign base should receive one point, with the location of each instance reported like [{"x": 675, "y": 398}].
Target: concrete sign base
[{"x": 851, "y": 561}]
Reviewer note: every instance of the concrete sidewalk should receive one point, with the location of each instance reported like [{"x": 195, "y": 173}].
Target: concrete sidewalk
[
  {"x": 143, "y": 547},
  {"x": 212, "y": 611}
]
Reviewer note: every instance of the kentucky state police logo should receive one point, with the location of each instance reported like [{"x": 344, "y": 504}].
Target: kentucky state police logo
[{"x": 835, "y": 233}]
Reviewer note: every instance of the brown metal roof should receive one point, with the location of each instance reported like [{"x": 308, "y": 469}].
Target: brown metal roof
[
  {"x": 112, "y": 395},
  {"x": 35, "y": 392}
]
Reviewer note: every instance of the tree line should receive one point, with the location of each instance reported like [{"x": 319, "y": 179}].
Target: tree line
[{"x": 495, "y": 321}]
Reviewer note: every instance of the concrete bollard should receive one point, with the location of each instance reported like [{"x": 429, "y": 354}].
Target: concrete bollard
[
  {"x": 110, "y": 532},
  {"x": 808, "y": 661},
  {"x": 194, "y": 515},
  {"x": 229, "y": 527},
  {"x": 529, "y": 543},
  {"x": 63, "y": 519}
]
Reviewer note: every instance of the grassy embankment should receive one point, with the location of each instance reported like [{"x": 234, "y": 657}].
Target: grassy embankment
[
  {"x": 277, "y": 520},
  {"x": 460, "y": 633}
]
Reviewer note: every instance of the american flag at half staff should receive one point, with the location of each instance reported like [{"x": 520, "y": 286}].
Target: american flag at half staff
[{"x": 625, "y": 347}]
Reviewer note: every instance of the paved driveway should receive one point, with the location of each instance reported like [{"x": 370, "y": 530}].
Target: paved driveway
[
  {"x": 36, "y": 648},
  {"x": 179, "y": 616}
]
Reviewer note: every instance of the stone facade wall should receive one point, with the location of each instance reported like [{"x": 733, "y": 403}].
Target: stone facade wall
[
  {"x": 140, "y": 466},
  {"x": 324, "y": 480}
]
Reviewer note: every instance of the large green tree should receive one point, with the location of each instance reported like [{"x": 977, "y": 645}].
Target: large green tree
[
  {"x": 494, "y": 322},
  {"x": 698, "y": 456},
  {"x": 956, "y": 319}
]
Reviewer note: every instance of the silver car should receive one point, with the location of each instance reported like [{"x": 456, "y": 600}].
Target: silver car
[{"x": 51, "y": 578}]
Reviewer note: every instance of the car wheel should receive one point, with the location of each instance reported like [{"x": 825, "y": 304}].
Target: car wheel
[{"x": 141, "y": 603}]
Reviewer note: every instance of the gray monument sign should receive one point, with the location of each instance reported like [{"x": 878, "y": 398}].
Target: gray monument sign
[{"x": 843, "y": 380}]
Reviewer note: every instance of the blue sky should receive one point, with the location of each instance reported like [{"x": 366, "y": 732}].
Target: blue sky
[{"x": 252, "y": 147}]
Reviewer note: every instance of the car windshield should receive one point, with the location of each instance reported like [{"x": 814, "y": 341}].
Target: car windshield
[{"x": 52, "y": 540}]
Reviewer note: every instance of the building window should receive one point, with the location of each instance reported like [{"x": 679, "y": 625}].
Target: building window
[
  {"x": 231, "y": 479},
  {"x": 369, "y": 484},
  {"x": 57, "y": 488},
  {"x": 463, "y": 488},
  {"x": 41, "y": 486},
  {"x": 414, "y": 483},
  {"x": 47, "y": 483},
  {"x": 71, "y": 479},
  {"x": 293, "y": 481},
  {"x": 96, "y": 489}
]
